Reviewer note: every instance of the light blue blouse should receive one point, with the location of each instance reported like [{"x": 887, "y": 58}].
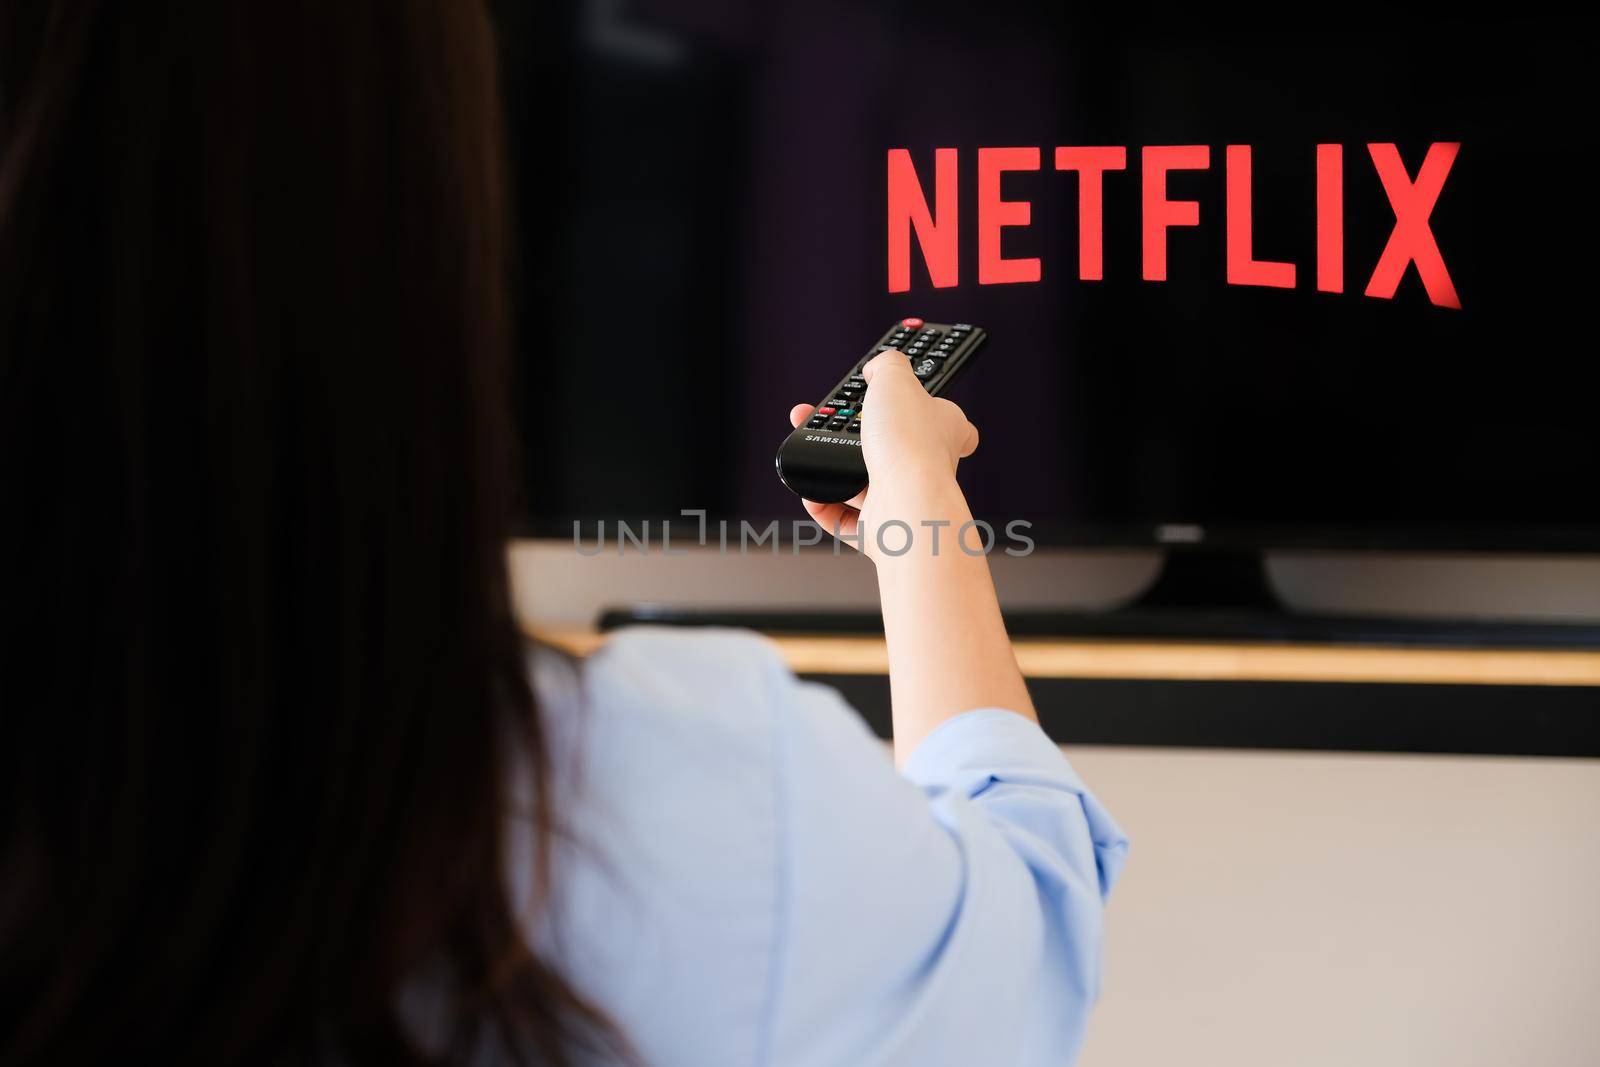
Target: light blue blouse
[{"x": 745, "y": 880}]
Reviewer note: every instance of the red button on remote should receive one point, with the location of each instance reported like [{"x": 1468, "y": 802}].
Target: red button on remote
[
  {"x": 912, "y": 323},
  {"x": 826, "y": 410}
]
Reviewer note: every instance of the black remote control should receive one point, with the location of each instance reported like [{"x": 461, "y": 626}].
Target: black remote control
[{"x": 821, "y": 460}]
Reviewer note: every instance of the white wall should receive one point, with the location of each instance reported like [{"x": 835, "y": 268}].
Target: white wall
[{"x": 1350, "y": 911}]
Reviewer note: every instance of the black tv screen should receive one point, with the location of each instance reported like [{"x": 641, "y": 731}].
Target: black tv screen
[{"x": 1314, "y": 283}]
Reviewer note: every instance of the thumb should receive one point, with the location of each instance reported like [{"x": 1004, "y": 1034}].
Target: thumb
[{"x": 887, "y": 366}]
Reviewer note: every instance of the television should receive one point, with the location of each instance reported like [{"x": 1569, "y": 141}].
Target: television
[{"x": 1250, "y": 281}]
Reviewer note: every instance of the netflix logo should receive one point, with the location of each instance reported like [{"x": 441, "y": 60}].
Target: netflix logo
[{"x": 935, "y": 219}]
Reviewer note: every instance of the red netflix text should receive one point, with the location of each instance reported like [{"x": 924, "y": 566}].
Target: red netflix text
[{"x": 936, "y": 227}]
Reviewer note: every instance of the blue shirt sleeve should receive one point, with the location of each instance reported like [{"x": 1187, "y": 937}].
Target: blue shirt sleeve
[
  {"x": 949, "y": 915},
  {"x": 743, "y": 877}
]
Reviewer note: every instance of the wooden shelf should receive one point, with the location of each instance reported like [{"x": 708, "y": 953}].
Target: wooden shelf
[{"x": 1185, "y": 661}]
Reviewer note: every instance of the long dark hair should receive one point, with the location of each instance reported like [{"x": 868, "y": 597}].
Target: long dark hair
[{"x": 260, "y": 684}]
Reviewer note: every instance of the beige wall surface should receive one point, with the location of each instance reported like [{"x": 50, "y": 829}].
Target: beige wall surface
[
  {"x": 1309, "y": 910},
  {"x": 557, "y": 585}
]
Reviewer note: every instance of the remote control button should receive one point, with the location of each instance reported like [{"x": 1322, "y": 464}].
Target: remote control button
[
  {"x": 962, "y": 327},
  {"x": 847, "y": 413},
  {"x": 854, "y": 427},
  {"x": 912, "y": 323},
  {"x": 816, "y": 422},
  {"x": 825, "y": 410},
  {"x": 836, "y": 424},
  {"x": 927, "y": 367}
]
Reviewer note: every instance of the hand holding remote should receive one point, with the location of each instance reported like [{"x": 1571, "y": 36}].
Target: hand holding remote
[
  {"x": 822, "y": 460},
  {"x": 911, "y": 442}
]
